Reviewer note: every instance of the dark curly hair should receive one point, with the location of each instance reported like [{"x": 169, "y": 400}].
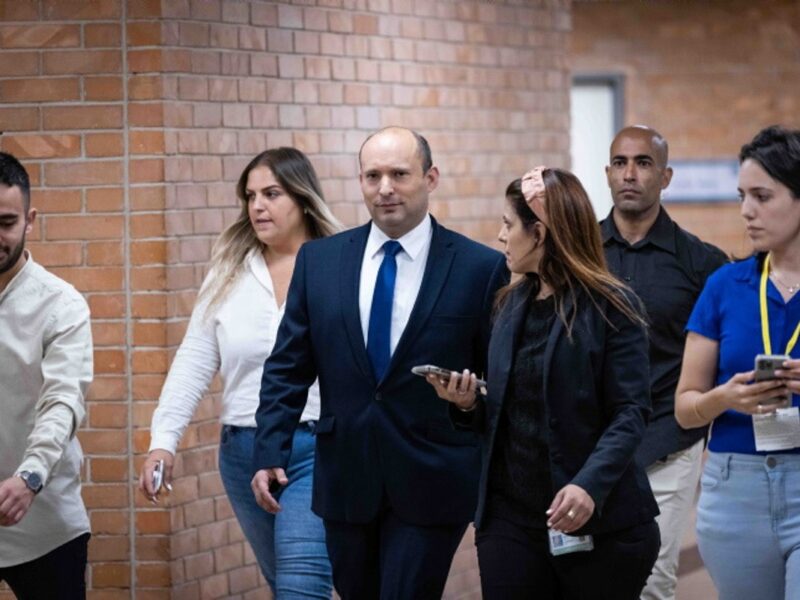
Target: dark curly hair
[
  {"x": 12, "y": 173},
  {"x": 777, "y": 150}
]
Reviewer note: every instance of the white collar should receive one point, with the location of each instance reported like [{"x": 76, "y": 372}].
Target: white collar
[
  {"x": 413, "y": 242},
  {"x": 20, "y": 275},
  {"x": 258, "y": 267}
]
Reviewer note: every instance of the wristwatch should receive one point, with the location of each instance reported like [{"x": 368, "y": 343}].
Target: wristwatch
[{"x": 32, "y": 479}]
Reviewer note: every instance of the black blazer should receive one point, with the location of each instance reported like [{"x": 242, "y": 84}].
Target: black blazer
[
  {"x": 597, "y": 402},
  {"x": 392, "y": 438}
]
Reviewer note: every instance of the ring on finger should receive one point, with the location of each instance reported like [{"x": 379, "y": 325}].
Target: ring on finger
[{"x": 571, "y": 513}]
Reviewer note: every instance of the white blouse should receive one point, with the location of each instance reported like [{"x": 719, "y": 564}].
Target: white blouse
[{"x": 234, "y": 340}]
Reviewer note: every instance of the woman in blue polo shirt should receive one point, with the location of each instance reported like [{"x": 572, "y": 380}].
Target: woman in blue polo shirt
[{"x": 748, "y": 519}]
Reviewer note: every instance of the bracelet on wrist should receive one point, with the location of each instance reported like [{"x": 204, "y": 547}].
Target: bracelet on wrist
[
  {"x": 697, "y": 412},
  {"x": 470, "y": 408}
]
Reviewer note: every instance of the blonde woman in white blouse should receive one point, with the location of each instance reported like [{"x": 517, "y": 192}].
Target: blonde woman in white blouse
[{"x": 231, "y": 332}]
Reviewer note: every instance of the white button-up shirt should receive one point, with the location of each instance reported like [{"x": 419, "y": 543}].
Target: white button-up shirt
[
  {"x": 234, "y": 340},
  {"x": 45, "y": 370},
  {"x": 410, "y": 269}
]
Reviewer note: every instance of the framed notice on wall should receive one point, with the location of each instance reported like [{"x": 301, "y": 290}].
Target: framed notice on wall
[{"x": 703, "y": 181}]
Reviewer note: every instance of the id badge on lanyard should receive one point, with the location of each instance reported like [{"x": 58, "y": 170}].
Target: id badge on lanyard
[{"x": 779, "y": 430}]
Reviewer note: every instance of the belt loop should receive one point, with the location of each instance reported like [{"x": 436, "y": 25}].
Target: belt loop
[{"x": 726, "y": 467}]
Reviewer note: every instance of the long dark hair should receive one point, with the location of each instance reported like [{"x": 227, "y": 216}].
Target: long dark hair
[{"x": 573, "y": 249}]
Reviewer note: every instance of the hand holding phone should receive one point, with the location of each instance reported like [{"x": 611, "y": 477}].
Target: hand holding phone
[
  {"x": 158, "y": 477},
  {"x": 444, "y": 374},
  {"x": 765, "y": 367},
  {"x": 461, "y": 390}
]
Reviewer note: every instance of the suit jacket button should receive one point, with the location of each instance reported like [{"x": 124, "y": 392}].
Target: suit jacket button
[{"x": 378, "y": 397}]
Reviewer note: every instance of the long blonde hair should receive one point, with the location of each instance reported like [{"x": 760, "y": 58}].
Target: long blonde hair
[
  {"x": 295, "y": 173},
  {"x": 573, "y": 253}
]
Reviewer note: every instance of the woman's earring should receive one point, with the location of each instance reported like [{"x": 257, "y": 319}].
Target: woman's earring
[{"x": 305, "y": 211}]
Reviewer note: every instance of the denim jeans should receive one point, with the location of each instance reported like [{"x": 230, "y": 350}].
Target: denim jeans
[
  {"x": 748, "y": 525},
  {"x": 290, "y": 546}
]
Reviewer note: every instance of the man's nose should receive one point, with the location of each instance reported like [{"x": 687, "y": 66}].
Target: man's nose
[
  {"x": 629, "y": 173},
  {"x": 385, "y": 188}
]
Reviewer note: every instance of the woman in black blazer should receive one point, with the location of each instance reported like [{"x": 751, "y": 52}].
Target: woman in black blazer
[{"x": 567, "y": 405}]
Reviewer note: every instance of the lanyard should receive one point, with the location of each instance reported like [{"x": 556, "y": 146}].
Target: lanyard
[{"x": 765, "y": 316}]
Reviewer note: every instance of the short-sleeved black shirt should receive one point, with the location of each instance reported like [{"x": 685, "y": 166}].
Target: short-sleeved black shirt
[{"x": 667, "y": 270}]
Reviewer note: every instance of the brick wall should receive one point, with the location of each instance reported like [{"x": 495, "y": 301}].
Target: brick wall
[
  {"x": 707, "y": 75},
  {"x": 135, "y": 118}
]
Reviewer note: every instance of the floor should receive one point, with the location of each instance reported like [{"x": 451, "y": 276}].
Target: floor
[{"x": 693, "y": 580}]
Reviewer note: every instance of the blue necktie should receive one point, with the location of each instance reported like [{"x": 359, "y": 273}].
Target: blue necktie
[{"x": 380, "y": 317}]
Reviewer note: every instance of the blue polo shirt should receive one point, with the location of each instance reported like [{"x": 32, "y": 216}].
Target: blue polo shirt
[{"x": 727, "y": 312}]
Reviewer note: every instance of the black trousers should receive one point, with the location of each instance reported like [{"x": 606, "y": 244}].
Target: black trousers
[
  {"x": 58, "y": 575},
  {"x": 516, "y": 564},
  {"x": 388, "y": 559}
]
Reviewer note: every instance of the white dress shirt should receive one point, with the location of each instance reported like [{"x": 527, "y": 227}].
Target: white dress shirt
[
  {"x": 45, "y": 370},
  {"x": 234, "y": 340},
  {"x": 410, "y": 269}
]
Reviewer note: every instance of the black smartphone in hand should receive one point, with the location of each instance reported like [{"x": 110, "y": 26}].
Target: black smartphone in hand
[
  {"x": 423, "y": 370},
  {"x": 275, "y": 487},
  {"x": 765, "y": 367}
]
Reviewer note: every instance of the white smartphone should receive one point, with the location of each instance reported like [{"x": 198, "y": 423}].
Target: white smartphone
[
  {"x": 158, "y": 477},
  {"x": 423, "y": 370}
]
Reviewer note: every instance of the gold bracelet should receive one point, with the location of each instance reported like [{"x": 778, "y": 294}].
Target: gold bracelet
[{"x": 697, "y": 410}]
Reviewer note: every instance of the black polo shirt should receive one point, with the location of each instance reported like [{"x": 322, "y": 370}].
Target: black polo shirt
[{"x": 667, "y": 270}]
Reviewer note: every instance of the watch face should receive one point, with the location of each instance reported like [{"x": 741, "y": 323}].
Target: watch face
[{"x": 33, "y": 480}]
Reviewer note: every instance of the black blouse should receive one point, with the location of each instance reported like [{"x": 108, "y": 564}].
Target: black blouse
[{"x": 520, "y": 486}]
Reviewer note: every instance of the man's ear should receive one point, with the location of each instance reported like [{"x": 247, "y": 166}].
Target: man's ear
[
  {"x": 30, "y": 219},
  {"x": 432, "y": 177},
  {"x": 666, "y": 178}
]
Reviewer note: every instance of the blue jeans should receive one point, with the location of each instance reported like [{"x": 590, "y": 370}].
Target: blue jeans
[
  {"x": 748, "y": 525},
  {"x": 290, "y": 546}
]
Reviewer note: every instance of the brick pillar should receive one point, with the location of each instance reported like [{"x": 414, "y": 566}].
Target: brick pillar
[{"x": 63, "y": 115}]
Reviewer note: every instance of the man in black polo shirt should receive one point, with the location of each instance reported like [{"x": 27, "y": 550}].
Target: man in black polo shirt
[{"x": 667, "y": 267}]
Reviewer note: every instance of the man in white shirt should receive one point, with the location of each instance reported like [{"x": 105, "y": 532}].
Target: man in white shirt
[
  {"x": 394, "y": 481},
  {"x": 45, "y": 369}
]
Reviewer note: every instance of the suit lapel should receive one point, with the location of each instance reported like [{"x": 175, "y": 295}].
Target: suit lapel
[
  {"x": 350, "y": 265},
  {"x": 504, "y": 340},
  {"x": 440, "y": 259},
  {"x": 555, "y": 333}
]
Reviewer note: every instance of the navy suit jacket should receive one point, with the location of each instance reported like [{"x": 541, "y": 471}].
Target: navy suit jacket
[
  {"x": 388, "y": 440},
  {"x": 597, "y": 403}
]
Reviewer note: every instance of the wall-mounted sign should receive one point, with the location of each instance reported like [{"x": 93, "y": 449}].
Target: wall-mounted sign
[{"x": 703, "y": 181}]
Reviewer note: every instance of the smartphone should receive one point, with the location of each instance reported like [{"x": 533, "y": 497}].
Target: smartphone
[
  {"x": 158, "y": 477},
  {"x": 423, "y": 370},
  {"x": 765, "y": 367},
  {"x": 275, "y": 487}
]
